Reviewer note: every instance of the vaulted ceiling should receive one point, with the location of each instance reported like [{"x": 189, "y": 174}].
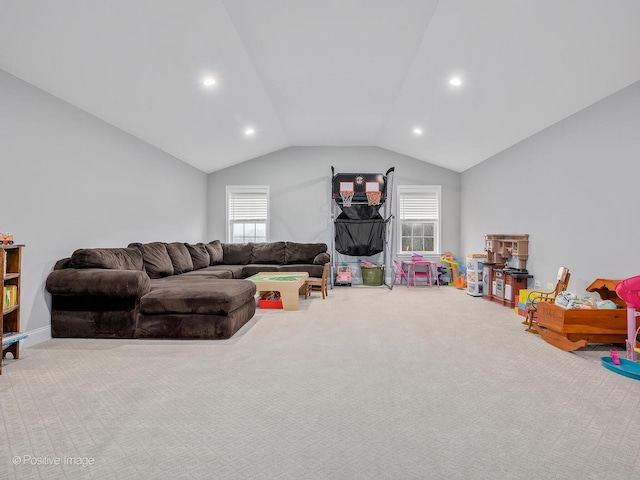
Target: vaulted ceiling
[{"x": 325, "y": 72}]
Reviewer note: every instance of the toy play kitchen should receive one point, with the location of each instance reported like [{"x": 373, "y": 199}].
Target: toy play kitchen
[
  {"x": 509, "y": 282},
  {"x": 504, "y": 271}
]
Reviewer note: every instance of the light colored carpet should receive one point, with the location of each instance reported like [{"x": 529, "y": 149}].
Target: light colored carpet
[{"x": 370, "y": 383}]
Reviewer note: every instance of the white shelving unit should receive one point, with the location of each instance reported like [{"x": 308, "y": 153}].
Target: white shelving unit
[{"x": 475, "y": 264}]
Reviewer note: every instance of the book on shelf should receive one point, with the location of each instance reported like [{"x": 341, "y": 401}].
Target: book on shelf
[
  {"x": 10, "y": 296},
  {"x": 12, "y": 337}
]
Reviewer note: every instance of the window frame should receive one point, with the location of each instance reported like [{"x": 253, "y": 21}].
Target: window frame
[
  {"x": 429, "y": 190},
  {"x": 239, "y": 189}
]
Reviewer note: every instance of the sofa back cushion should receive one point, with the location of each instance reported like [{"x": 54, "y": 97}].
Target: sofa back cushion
[
  {"x": 199, "y": 255},
  {"x": 180, "y": 258},
  {"x": 110, "y": 258},
  {"x": 215, "y": 252},
  {"x": 155, "y": 256},
  {"x": 302, "y": 252},
  {"x": 268, "y": 253},
  {"x": 66, "y": 263},
  {"x": 237, "y": 253}
]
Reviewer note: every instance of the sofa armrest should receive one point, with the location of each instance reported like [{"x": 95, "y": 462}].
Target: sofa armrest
[
  {"x": 321, "y": 259},
  {"x": 98, "y": 282}
]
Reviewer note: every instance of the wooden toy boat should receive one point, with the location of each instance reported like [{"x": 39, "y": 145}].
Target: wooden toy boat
[{"x": 572, "y": 329}]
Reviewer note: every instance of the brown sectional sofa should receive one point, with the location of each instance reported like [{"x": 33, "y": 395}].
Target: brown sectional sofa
[{"x": 168, "y": 290}]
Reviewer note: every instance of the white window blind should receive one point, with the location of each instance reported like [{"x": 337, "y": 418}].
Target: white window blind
[
  {"x": 247, "y": 213},
  {"x": 247, "y": 206},
  {"x": 419, "y": 206},
  {"x": 419, "y": 218}
]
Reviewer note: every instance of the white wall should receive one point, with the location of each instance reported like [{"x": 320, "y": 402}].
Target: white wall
[
  {"x": 300, "y": 187},
  {"x": 573, "y": 187},
  {"x": 71, "y": 181}
]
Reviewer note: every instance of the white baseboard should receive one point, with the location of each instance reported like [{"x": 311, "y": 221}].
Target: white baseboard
[{"x": 36, "y": 336}]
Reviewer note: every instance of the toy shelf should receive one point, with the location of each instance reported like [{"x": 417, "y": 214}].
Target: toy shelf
[{"x": 10, "y": 271}]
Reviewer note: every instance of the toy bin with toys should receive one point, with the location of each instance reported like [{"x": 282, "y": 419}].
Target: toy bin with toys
[
  {"x": 270, "y": 300},
  {"x": 372, "y": 274}
]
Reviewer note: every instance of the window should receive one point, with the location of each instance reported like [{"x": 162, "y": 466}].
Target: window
[
  {"x": 247, "y": 214},
  {"x": 419, "y": 218}
]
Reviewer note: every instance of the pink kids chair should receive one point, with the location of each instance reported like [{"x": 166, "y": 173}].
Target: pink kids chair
[
  {"x": 424, "y": 275},
  {"x": 400, "y": 274}
]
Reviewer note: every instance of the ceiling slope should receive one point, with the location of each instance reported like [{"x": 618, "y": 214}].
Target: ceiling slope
[
  {"x": 525, "y": 65},
  {"x": 329, "y": 73}
]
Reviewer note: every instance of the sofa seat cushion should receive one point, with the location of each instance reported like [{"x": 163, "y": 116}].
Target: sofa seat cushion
[
  {"x": 190, "y": 294},
  {"x": 210, "y": 272},
  {"x": 193, "y": 326},
  {"x": 312, "y": 270},
  {"x": 252, "y": 269},
  {"x": 234, "y": 270}
]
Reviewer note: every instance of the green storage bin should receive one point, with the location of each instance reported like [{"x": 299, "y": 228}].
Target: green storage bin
[{"x": 372, "y": 276}]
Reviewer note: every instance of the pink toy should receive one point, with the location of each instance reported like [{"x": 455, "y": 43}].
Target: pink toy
[
  {"x": 629, "y": 291},
  {"x": 425, "y": 275},
  {"x": 614, "y": 357},
  {"x": 400, "y": 274}
]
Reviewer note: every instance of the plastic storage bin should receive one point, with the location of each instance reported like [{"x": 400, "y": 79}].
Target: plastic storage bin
[
  {"x": 475, "y": 273},
  {"x": 372, "y": 276},
  {"x": 270, "y": 300},
  {"x": 269, "y": 303}
]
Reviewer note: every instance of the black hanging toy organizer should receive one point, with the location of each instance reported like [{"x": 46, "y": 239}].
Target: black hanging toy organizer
[{"x": 362, "y": 217}]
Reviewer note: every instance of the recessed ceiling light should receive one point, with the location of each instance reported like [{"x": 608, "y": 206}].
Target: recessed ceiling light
[
  {"x": 249, "y": 131},
  {"x": 417, "y": 131},
  {"x": 455, "y": 81},
  {"x": 209, "y": 81}
]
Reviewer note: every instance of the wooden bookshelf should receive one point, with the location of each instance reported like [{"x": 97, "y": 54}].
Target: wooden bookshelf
[{"x": 10, "y": 273}]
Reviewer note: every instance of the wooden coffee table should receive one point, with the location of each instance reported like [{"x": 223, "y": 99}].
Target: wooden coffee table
[{"x": 288, "y": 284}]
